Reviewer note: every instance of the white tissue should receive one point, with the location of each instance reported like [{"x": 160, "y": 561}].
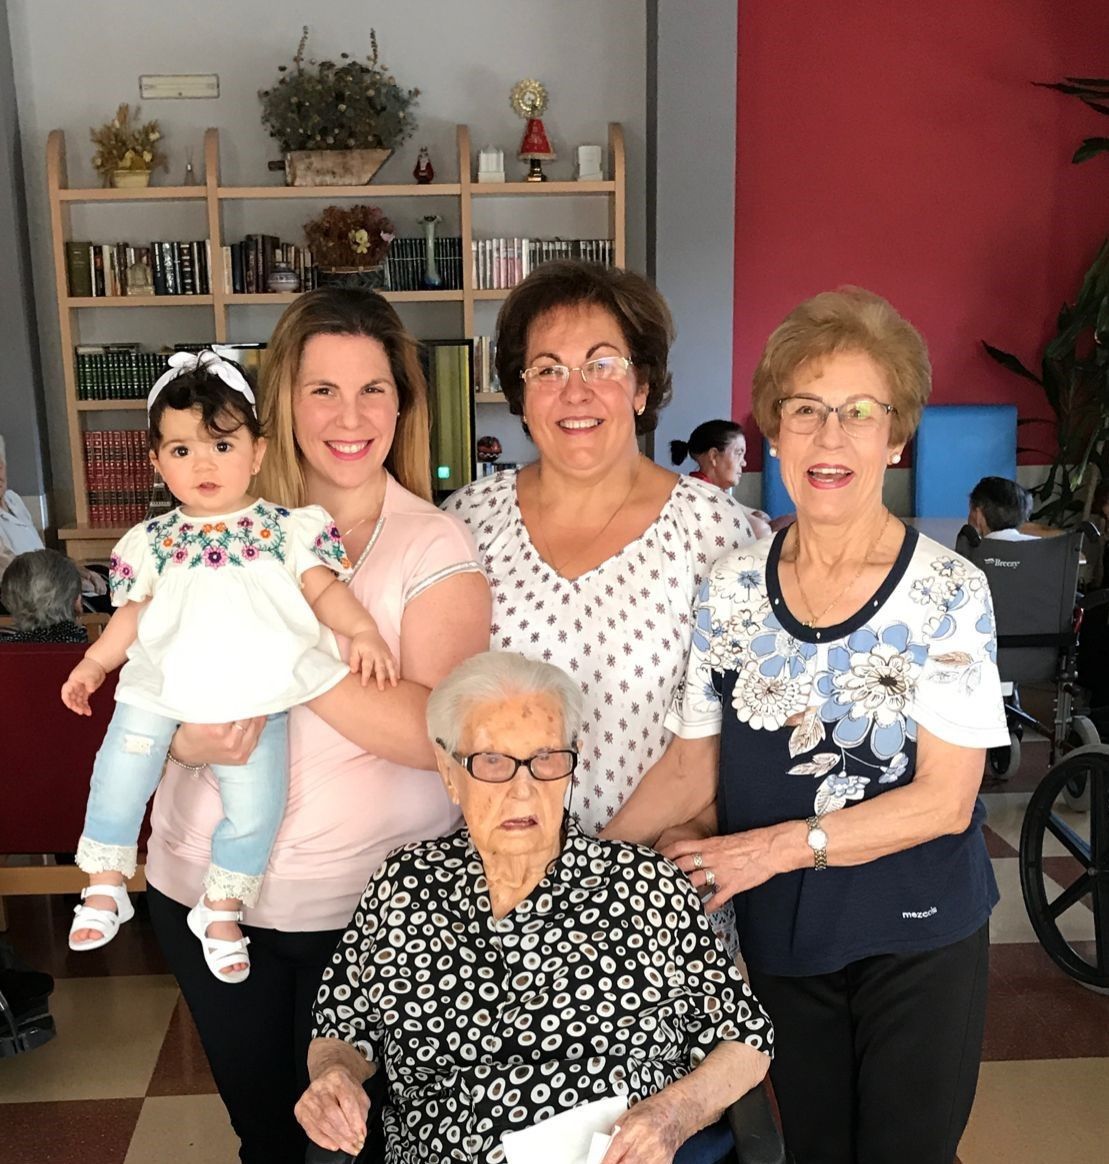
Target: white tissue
[{"x": 567, "y": 1138}]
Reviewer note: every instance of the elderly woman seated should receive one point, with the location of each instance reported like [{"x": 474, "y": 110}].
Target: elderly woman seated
[
  {"x": 518, "y": 967},
  {"x": 41, "y": 590}
]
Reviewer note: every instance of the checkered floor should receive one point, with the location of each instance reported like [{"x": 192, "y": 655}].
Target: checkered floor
[{"x": 125, "y": 1081}]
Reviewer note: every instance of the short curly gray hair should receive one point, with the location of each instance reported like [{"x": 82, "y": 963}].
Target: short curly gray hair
[
  {"x": 40, "y": 589},
  {"x": 496, "y": 675}
]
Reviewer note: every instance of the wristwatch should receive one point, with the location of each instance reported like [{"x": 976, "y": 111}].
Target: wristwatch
[{"x": 818, "y": 842}]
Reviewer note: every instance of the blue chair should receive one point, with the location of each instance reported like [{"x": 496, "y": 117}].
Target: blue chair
[
  {"x": 956, "y": 446},
  {"x": 775, "y": 500}
]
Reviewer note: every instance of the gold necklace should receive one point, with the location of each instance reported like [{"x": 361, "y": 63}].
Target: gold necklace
[
  {"x": 577, "y": 553},
  {"x": 813, "y": 619},
  {"x": 348, "y": 532}
]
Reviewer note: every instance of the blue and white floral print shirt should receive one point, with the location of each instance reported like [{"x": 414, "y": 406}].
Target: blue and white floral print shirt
[{"x": 815, "y": 719}]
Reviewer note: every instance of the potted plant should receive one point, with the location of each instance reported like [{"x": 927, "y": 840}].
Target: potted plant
[
  {"x": 349, "y": 244},
  {"x": 127, "y": 150},
  {"x": 337, "y": 123},
  {"x": 1074, "y": 369}
]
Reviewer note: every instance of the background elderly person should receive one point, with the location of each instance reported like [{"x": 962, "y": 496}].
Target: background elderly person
[
  {"x": 19, "y": 535},
  {"x": 720, "y": 450},
  {"x": 595, "y": 554},
  {"x": 845, "y": 671},
  {"x": 344, "y": 405},
  {"x": 998, "y": 508},
  {"x": 41, "y": 590},
  {"x": 519, "y": 967}
]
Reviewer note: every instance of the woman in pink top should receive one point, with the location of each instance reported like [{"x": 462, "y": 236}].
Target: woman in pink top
[{"x": 344, "y": 404}]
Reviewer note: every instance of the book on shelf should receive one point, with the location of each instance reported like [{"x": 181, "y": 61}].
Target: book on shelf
[
  {"x": 118, "y": 475},
  {"x": 406, "y": 262},
  {"x": 117, "y": 371},
  {"x": 247, "y": 265},
  {"x": 160, "y": 268},
  {"x": 485, "y": 368},
  {"x": 500, "y": 263}
]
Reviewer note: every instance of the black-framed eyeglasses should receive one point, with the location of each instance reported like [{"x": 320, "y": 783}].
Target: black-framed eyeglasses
[
  {"x": 805, "y": 415},
  {"x": 499, "y": 767},
  {"x": 557, "y": 376}
]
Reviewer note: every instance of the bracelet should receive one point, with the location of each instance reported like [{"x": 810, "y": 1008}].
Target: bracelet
[{"x": 194, "y": 768}]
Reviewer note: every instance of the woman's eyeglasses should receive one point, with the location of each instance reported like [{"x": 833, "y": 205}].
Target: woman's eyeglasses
[
  {"x": 499, "y": 768},
  {"x": 805, "y": 415},
  {"x": 600, "y": 370}
]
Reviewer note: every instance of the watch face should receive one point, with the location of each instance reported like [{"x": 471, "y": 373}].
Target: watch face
[{"x": 818, "y": 839}]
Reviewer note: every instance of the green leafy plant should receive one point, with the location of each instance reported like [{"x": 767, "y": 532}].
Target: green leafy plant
[
  {"x": 1074, "y": 369},
  {"x": 321, "y": 105},
  {"x": 125, "y": 143},
  {"x": 1092, "y": 92},
  {"x": 349, "y": 236}
]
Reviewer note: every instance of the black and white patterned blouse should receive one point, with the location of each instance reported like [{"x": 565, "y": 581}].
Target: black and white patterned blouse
[
  {"x": 622, "y": 630},
  {"x": 59, "y": 632},
  {"x": 605, "y": 980},
  {"x": 813, "y": 720}
]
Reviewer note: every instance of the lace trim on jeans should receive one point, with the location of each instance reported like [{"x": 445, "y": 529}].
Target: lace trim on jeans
[
  {"x": 220, "y": 884},
  {"x": 96, "y": 857}
]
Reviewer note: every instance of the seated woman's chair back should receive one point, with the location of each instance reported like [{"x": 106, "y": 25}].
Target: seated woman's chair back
[{"x": 1034, "y": 586}]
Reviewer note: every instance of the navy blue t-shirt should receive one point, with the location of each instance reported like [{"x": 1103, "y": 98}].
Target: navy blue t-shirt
[{"x": 813, "y": 720}]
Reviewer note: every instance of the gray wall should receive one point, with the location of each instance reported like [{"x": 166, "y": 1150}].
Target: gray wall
[
  {"x": 21, "y": 410},
  {"x": 694, "y": 129},
  {"x": 75, "y": 62}
]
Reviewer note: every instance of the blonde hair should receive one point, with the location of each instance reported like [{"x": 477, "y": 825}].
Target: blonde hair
[
  {"x": 341, "y": 311},
  {"x": 849, "y": 319}
]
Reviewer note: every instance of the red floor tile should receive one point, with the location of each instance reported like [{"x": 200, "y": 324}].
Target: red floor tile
[
  {"x": 182, "y": 1067},
  {"x": 1037, "y": 1012},
  {"x": 90, "y": 1131}
]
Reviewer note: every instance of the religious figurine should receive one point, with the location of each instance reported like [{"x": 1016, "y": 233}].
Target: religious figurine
[
  {"x": 424, "y": 171},
  {"x": 529, "y": 100},
  {"x": 490, "y": 164}
]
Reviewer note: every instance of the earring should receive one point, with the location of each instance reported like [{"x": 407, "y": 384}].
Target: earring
[
  {"x": 895, "y": 459},
  {"x": 773, "y": 450},
  {"x": 640, "y": 410}
]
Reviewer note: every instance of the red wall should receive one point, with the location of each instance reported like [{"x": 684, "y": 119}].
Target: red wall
[{"x": 902, "y": 147}]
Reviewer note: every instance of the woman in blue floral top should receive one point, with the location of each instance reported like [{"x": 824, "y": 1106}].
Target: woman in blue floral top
[
  {"x": 220, "y": 605},
  {"x": 840, "y": 693}
]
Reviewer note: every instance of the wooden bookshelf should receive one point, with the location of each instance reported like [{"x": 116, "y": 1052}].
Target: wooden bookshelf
[{"x": 85, "y": 541}]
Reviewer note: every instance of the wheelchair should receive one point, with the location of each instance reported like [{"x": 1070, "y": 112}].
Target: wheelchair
[
  {"x": 748, "y": 1123},
  {"x": 1065, "y": 834},
  {"x": 25, "y": 1019}
]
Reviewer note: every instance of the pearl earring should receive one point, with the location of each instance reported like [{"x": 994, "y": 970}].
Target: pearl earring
[
  {"x": 895, "y": 459},
  {"x": 773, "y": 451},
  {"x": 639, "y": 411}
]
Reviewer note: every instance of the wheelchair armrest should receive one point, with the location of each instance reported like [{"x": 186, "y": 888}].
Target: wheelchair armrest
[{"x": 757, "y": 1139}]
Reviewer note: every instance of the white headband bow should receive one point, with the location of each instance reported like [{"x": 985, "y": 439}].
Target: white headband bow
[{"x": 211, "y": 360}]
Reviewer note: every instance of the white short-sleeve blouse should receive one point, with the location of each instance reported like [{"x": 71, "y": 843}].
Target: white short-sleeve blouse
[{"x": 623, "y": 630}]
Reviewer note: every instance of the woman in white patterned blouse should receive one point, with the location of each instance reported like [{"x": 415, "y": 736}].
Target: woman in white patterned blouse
[{"x": 841, "y": 693}]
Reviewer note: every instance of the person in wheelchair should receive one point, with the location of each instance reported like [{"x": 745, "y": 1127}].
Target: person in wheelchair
[
  {"x": 998, "y": 508},
  {"x": 519, "y": 967}
]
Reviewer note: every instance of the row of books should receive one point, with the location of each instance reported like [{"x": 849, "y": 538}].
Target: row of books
[
  {"x": 118, "y": 371},
  {"x": 502, "y": 262},
  {"x": 168, "y": 267},
  {"x": 406, "y": 263},
  {"x": 491, "y": 468},
  {"x": 485, "y": 368},
  {"x": 247, "y": 265},
  {"x": 119, "y": 476}
]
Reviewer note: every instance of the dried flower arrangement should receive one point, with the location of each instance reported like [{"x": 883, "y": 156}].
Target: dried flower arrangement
[
  {"x": 349, "y": 236},
  {"x": 338, "y": 107},
  {"x": 126, "y": 144}
]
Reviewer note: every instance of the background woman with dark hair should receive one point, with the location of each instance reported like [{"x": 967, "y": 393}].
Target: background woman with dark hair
[{"x": 720, "y": 450}]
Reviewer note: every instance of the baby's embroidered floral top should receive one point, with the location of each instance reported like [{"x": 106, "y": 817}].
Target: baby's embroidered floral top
[
  {"x": 813, "y": 720},
  {"x": 226, "y": 633}
]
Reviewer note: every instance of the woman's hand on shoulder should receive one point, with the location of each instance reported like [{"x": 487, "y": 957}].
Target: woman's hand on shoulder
[
  {"x": 737, "y": 862},
  {"x": 217, "y": 743},
  {"x": 333, "y": 1111},
  {"x": 648, "y": 1134}
]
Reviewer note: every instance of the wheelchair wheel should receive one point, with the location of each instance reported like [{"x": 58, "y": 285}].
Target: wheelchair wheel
[
  {"x": 1003, "y": 761},
  {"x": 1085, "y": 840},
  {"x": 1082, "y": 733}
]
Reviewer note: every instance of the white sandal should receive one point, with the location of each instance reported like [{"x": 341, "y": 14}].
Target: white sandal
[
  {"x": 218, "y": 952},
  {"x": 86, "y": 917}
]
